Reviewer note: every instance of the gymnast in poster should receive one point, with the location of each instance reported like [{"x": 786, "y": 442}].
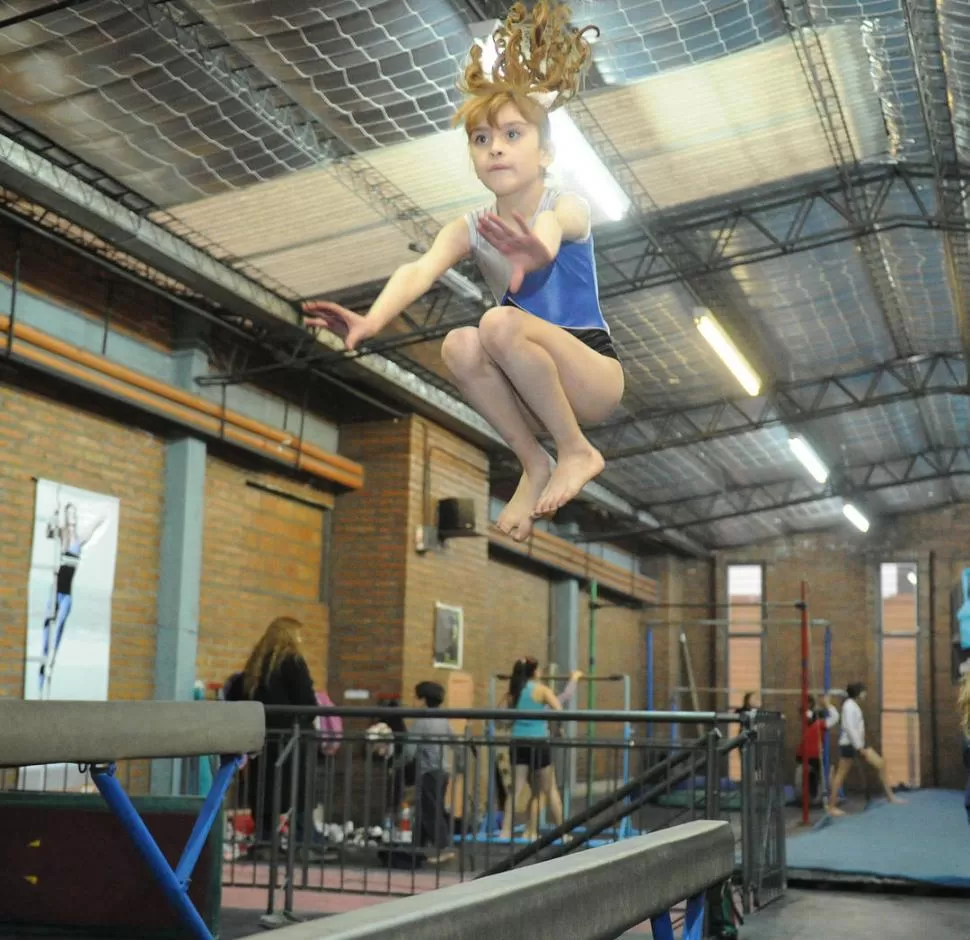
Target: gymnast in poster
[
  {"x": 70, "y": 540},
  {"x": 71, "y": 586}
]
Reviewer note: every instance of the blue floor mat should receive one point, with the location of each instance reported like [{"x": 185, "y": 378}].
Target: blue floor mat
[{"x": 926, "y": 840}]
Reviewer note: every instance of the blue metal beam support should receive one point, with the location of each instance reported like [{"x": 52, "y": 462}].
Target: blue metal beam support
[{"x": 174, "y": 883}]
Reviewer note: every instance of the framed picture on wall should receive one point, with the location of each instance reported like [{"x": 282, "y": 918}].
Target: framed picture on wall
[{"x": 449, "y": 635}]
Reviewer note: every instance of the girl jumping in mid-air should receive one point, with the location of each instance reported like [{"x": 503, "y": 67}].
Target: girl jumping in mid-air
[{"x": 543, "y": 357}]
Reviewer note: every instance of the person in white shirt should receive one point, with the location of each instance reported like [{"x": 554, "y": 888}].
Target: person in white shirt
[{"x": 852, "y": 741}]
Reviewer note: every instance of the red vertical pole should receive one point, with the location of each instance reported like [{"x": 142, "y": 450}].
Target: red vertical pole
[{"x": 803, "y": 607}]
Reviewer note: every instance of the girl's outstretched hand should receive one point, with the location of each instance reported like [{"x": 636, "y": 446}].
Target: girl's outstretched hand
[
  {"x": 350, "y": 326},
  {"x": 523, "y": 248}
]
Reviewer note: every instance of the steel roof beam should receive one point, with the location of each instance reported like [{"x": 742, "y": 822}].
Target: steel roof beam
[
  {"x": 794, "y": 403},
  {"x": 930, "y": 69},
  {"x": 852, "y": 482}
]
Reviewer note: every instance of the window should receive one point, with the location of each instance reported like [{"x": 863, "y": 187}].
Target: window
[
  {"x": 899, "y": 671},
  {"x": 745, "y": 599}
]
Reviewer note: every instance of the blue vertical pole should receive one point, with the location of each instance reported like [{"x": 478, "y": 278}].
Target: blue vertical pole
[{"x": 826, "y": 684}]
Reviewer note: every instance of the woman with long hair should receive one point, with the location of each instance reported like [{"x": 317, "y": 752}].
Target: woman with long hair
[
  {"x": 276, "y": 673},
  {"x": 530, "y": 752},
  {"x": 542, "y": 358}
]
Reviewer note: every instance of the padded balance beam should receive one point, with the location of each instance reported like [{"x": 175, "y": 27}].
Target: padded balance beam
[
  {"x": 107, "y": 732},
  {"x": 101, "y": 733},
  {"x": 594, "y": 894}
]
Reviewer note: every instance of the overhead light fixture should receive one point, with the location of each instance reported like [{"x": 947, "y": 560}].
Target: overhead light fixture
[
  {"x": 573, "y": 151},
  {"x": 461, "y": 286},
  {"x": 803, "y": 451},
  {"x": 721, "y": 343},
  {"x": 911, "y": 577},
  {"x": 855, "y": 517}
]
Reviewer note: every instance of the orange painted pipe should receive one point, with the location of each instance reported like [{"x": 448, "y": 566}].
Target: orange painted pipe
[
  {"x": 179, "y": 405},
  {"x": 100, "y": 364}
]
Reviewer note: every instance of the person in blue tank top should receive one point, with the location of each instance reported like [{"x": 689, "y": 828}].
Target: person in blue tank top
[
  {"x": 531, "y": 755},
  {"x": 542, "y": 358}
]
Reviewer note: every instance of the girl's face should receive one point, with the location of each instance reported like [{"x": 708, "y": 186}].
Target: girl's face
[{"x": 510, "y": 156}]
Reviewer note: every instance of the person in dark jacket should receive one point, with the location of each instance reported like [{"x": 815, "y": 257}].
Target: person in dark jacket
[{"x": 276, "y": 673}]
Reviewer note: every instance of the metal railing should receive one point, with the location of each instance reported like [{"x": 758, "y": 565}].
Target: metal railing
[
  {"x": 365, "y": 824},
  {"x": 314, "y": 812}
]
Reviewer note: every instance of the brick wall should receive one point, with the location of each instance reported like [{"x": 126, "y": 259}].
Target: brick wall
[
  {"x": 842, "y": 570},
  {"x": 42, "y": 434},
  {"x": 263, "y": 557},
  {"x": 70, "y": 280},
  {"x": 370, "y": 544},
  {"x": 441, "y": 465},
  {"x": 684, "y": 581},
  {"x": 518, "y": 619}
]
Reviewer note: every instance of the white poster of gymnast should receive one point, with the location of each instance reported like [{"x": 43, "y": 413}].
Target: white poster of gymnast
[{"x": 72, "y": 572}]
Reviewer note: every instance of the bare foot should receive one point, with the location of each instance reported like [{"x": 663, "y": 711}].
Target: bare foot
[
  {"x": 896, "y": 799},
  {"x": 572, "y": 473},
  {"x": 834, "y": 811},
  {"x": 517, "y": 517}
]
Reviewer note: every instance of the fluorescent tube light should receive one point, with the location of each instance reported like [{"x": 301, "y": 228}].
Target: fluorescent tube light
[
  {"x": 803, "y": 451},
  {"x": 855, "y": 517},
  {"x": 911, "y": 577},
  {"x": 711, "y": 330},
  {"x": 461, "y": 286}
]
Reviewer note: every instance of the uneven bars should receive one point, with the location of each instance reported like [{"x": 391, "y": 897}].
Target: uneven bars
[
  {"x": 726, "y": 622},
  {"x": 686, "y": 689},
  {"x": 768, "y": 605},
  {"x": 564, "y": 677}
]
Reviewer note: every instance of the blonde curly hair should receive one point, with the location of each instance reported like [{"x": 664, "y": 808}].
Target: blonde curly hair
[{"x": 539, "y": 53}]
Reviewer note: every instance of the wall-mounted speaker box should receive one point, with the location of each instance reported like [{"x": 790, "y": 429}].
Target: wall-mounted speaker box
[{"x": 456, "y": 518}]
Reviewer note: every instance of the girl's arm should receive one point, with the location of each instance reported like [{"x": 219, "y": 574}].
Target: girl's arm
[
  {"x": 84, "y": 539},
  {"x": 570, "y": 690},
  {"x": 413, "y": 280},
  {"x": 549, "y": 698},
  {"x": 569, "y": 221},
  {"x": 832, "y": 718}
]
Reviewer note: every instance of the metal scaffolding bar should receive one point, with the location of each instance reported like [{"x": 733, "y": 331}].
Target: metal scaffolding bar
[
  {"x": 847, "y": 482},
  {"x": 794, "y": 403},
  {"x": 729, "y": 622},
  {"x": 815, "y": 67},
  {"x": 930, "y": 69},
  {"x": 683, "y": 689},
  {"x": 754, "y": 228}
]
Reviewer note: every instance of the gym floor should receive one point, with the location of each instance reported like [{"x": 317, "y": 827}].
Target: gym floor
[
  {"x": 801, "y": 915},
  {"x": 842, "y": 915}
]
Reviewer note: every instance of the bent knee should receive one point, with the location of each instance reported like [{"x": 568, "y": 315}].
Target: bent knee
[
  {"x": 461, "y": 349},
  {"x": 500, "y": 327}
]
